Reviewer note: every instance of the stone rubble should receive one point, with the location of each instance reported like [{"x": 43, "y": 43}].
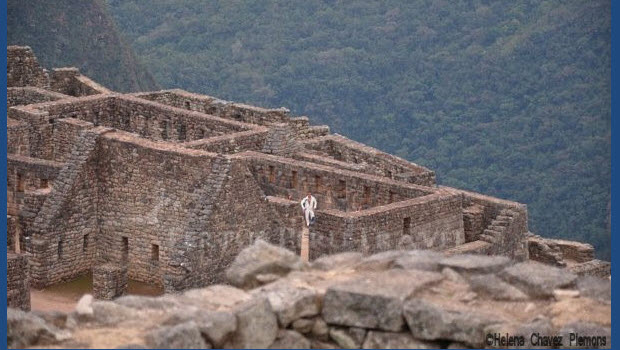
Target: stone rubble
[{"x": 347, "y": 306}]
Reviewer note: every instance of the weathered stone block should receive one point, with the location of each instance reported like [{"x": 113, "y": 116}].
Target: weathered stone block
[
  {"x": 374, "y": 300},
  {"x": 537, "y": 280}
]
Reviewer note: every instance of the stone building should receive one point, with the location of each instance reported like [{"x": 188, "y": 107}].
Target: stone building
[{"x": 172, "y": 185}]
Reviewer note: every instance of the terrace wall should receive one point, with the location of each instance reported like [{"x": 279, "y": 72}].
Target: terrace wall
[
  {"x": 28, "y": 95},
  {"x": 373, "y": 161},
  {"x": 431, "y": 222},
  {"x": 333, "y": 188}
]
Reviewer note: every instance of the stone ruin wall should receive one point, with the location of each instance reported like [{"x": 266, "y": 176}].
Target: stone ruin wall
[
  {"x": 172, "y": 185},
  {"x": 17, "y": 287},
  {"x": 23, "y": 69},
  {"x": 17, "y": 96},
  {"x": 370, "y": 160}
]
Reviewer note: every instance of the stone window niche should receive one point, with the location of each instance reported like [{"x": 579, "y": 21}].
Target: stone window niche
[
  {"x": 154, "y": 252},
  {"x": 272, "y": 174},
  {"x": 85, "y": 243},
  {"x": 406, "y": 226},
  {"x": 20, "y": 183},
  {"x": 125, "y": 248},
  {"x": 317, "y": 183},
  {"x": 294, "y": 179},
  {"x": 163, "y": 126},
  {"x": 187, "y": 105},
  {"x": 45, "y": 183},
  {"x": 366, "y": 199},
  {"x": 341, "y": 190},
  {"x": 60, "y": 250}
]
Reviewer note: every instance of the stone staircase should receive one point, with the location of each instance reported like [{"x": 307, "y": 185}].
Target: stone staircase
[{"x": 495, "y": 233}]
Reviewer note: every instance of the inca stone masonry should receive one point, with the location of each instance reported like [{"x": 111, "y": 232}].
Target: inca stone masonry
[{"x": 167, "y": 187}]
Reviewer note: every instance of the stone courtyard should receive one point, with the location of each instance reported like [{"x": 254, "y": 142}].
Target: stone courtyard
[{"x": 168, "y": 187}]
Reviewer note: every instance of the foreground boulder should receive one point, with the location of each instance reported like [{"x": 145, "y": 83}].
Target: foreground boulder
[
  {"x": 395, "y": 299},
  {"x": 259, "y": 262}
]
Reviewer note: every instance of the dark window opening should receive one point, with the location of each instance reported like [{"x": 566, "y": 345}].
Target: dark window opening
[
  {"x": 366, "y": 194},
  {"x": 294, "y": 179},
  {"x": 407, "y": 226},
  {"x": 201, "y": 134},
  {"x": 125, "y": 248},
  {"x": 20, "y": 183},
  {"x": 388, "y": 174},
  {"x": 163, "y": 125},
  {"x": 392, "y": 196},
  {"x": 59, "y": 250},
  {"x": 342, "y": 189},
  {"x": 154, "y": 252},
  {"x": 272, "y": 174},
  {"x": 85, "y": 244},
  {"x": 182, "y": 132},
  {"x": 45, "y": 183},
  {"x": 317, "y": 183},
  {"x": 187, "y": 105}
]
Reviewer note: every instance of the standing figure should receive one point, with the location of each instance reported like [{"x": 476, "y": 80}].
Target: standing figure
[{"x": 308, "y": 204}]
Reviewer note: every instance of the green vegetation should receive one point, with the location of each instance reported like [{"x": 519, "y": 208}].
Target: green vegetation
[{"x": 77, "y": 33}]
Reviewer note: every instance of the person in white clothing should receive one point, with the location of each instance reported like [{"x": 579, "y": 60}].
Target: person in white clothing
[{"x": 308, "y": 204}]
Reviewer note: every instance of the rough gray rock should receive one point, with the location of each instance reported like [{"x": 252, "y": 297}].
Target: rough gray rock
[
  {"x": 537, "y": 280},
  {"x": 469, "y": 264},
  {"x": 261, "y": 258},
  {"x": 495, "y": 288},
  {"x": 57, "y": 319},
  {"x": 143, "y": 302},
  {"x": 319, "y": 344},
  {"x": 427, "y": 260},
  {"x": 337, "y": 261},
  {"x": 215, "y": 326},
  {"x": 182, "y": 336},
  {"x": 340, "y": 337},
  {"x": 595, "y": 288},
  {"x": 320, "y": 330},
  {"x": 25, "y": 329},
  {"x": 257, "y": 325},
  {"x": 288, "y": 339},
  {"x": 290, "y": 302},
  {"x": 391, "y": 340},
  {"x": 374, "y": 300},
  {"x": 380, "y": 261},
  {"x": 110, "y": 313},
  {"x": 348, "y": 338},
  {"x": 430, "y": 321},
  {"x": 303, "y": 325}
]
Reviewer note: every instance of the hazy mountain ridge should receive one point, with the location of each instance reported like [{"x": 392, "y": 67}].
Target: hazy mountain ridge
[{"x": 77, "y": 33}]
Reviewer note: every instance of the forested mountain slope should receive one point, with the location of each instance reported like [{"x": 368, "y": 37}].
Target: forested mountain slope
[
  {"x": 77, "y": 33},
  {"x": 509, "y": 98}
]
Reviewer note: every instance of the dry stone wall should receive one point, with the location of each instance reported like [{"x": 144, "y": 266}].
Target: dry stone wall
[
  {"x": 17, "y": 288},
  {"x": 23, "y": 68},
  {"x": 145, "y": 205},
  {"x": 374, "y": 161},
  {"x": 109, "y": 281},
  {"x": 28, "y": 95},
  {"x": 69, "y": 81}
]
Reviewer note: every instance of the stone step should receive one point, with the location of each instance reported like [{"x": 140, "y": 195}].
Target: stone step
[
  {"x": 500, "y": 223},
  {"x": 496, "y": 228},
  {"x": 504, "y": 218}
]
